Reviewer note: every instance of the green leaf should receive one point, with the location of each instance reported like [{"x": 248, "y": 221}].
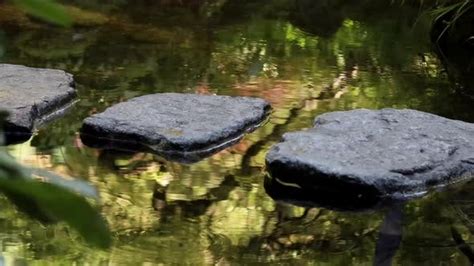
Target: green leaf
[
  {"x": 9, "y": 168},
  {"x": 58, "y": 204},
  {"x": 48, "y": 10},
  {"x": 84, "y": 188}
]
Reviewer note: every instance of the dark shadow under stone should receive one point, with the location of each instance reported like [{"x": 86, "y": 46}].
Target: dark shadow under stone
[
  {"x": 179, "y": 127},
  {"x": 334, "y": 196}
]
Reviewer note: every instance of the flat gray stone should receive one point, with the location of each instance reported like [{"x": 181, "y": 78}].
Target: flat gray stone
[
  {"x": 370, "y": 154},
  {"x": 32, "y": 95},
  {"x": 183, "y": 127}
]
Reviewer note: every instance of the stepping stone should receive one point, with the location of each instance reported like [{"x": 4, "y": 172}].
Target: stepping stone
[
  {"x": 32, "y": 96},
  {"x": 357, "y": 158},
  {"x": 180, "y": 127}
]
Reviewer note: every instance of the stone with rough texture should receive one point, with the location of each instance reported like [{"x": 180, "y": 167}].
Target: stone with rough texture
[
  {"x": 32, "y": 96},
  {"x": 367, "y": 154},
  {"x": 183, "y": 127}
]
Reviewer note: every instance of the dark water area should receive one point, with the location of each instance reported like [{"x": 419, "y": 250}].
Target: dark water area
[{"x": 306, "y": 58}]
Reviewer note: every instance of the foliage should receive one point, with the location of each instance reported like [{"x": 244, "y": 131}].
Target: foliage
[
  {"x": 451, "y": 14},
  {"x": 53, "y": 201},
  {"x": 48, "y": 10},
  {"x": 59, "y": 204}
]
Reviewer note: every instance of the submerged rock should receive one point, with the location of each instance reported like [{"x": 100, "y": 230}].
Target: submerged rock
[
  {"x": 361, "y": 157},
  {"x": 32, "y": 96},
  {"x": 182, "y": 127}
]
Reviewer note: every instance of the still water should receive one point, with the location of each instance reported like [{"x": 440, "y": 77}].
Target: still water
[{"x": 303, "y": 58}]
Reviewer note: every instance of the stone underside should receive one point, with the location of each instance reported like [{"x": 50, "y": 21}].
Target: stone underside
[
  {"x": 183, "y": 127},
  {"x": 32, "y": 96},
  {"x": 369, "y": 154}
]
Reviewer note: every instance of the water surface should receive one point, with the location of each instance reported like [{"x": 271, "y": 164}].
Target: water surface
[{"x": 216, "y": 210}]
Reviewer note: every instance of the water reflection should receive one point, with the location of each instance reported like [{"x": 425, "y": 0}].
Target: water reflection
[
  {"x": 210, "y": 208},
  {"x": 390, "y": 236},
  {"x": 193, "y": 208},
  {"x": 335, "y": 197}
]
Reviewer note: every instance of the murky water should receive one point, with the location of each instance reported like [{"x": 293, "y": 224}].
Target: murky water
[{"x": 304, "y": 61}]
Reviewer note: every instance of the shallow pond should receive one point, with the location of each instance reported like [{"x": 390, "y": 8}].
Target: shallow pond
[{"x": 304, "y": 61}]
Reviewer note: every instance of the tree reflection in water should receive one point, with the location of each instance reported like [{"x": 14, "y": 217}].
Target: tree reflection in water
[{"x": 390, "y": 236}]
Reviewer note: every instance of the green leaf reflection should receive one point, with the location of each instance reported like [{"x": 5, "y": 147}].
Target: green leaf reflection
[
  {"x": 46, "y": 9},
  {"x": 55, "y": 203}
]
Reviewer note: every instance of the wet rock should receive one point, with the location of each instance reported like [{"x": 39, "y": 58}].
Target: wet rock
[
  {"x": 32, "y": 96},
  {"x": 363, "y": 156},
  {"x": 181, "y": 127}
]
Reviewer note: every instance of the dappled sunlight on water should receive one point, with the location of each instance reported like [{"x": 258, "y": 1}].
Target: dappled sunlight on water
[{"x": 217, "y": 210}]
